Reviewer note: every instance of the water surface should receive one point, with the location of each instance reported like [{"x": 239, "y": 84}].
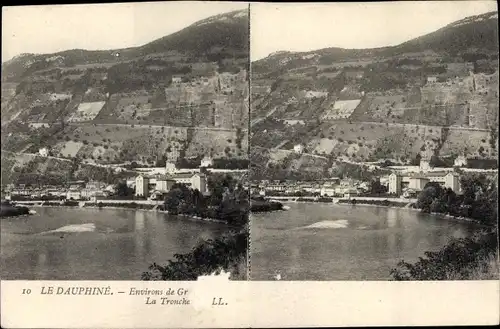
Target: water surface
[
  {"x": 343, "y": 242},
  {"x": 94, "y": 244}
]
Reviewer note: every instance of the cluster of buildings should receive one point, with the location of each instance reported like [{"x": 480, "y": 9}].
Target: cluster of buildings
[
  {"x": 75, "y": 190},
  {"x": 155, "y": 182},
  {"x": 333, "y": 187},
  {"x": 150, "y": 183},
  {"x": 412, "y": 183},
  {"x": 156, "y": 187},
  {"x": 410, "y": 180}
]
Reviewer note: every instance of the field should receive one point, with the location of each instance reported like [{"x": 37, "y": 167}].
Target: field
[
  {"x": 68, "y": 149},
  {"x": 279, "y": 164},
  {"x": 86, "y": 111},
  {"x": 341, "y": 109},
  {"x": 468, "y": 142},
  {"x": 219, "y": 143}
]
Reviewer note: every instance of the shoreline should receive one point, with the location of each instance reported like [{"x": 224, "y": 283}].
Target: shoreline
[
  {"x": 191, "y": 217},
  {"x": 444, "y": 216}
]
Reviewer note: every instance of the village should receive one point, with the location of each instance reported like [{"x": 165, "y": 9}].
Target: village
[
  {"x": 401, "y": 181},
  {"x": 150, "y": 184}
]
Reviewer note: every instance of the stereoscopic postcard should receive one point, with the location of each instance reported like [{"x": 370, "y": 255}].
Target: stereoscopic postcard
[{"x": 233, "y": 164}]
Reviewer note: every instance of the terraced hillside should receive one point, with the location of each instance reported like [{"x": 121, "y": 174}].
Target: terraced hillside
[
  {"x": 34, "y": 169},
  {"x": 184, "y": 95},
  {"x": 398, "y": 103}
]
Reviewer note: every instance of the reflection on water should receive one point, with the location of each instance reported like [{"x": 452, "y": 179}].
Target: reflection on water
[
  {"x": 340, "y": 242},
  {"x": 94, "y": 244}
]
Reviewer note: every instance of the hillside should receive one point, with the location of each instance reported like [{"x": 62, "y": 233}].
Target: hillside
[
  {"x": 184, "y": 95},
  {"x": 433, "y": 95}
]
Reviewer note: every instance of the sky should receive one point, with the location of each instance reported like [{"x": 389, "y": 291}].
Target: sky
[
  {"x": 53, "y": 28},
  {"x": 305, "y": 27}
]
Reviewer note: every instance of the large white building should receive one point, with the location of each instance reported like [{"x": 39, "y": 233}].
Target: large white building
[
  {"x": 417, "y": 182},
  {"x": 193, "y": 180},
  {"x": 142, "y": 186}
]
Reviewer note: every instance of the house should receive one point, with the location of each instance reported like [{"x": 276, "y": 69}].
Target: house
[
  {"x": 460, "y": 161},
  {"x": 327, "y": 190},
  {"x": 276, "y": 187},
  {"x": 207, "y": 162},
  {"x": 431, "y": 79},
  {"x": 170, "y": 168},
  {"x": 142, "y": 186},
  {"x": 176, "y": 79},
  {"x": 74, "y": 195},
  {"x": 299, "y": 148},
  {"x": 44, "y": 151}
]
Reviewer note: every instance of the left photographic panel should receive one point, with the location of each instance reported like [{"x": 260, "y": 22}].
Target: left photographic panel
[{"x": 124, "y": 141}]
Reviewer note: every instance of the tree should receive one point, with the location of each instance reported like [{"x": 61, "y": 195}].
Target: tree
[
  {"x": 377, "y": 188},
  {"x": 123, "y": 190},
  {"x": 430, "y": 192}
]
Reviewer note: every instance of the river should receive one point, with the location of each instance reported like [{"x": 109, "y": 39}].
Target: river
[
  {"x": 343, "y": 242},
  {"x": 94, "y": 244}
]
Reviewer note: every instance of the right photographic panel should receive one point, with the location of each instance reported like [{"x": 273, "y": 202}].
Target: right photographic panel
[{"x": 374, "y": 141}]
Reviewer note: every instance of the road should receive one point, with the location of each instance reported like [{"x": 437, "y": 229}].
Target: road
[
  {"x": 152, "y": 126},
  {"x": 390, "y": 124},
  {"x": 291, "y": 151}
]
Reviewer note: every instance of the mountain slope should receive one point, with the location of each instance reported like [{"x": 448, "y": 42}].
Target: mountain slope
[
  {"x": 433, "y": 95},
  {"x": 475, "y": 33},
  {"x": 181, "y": 96},
  {"x": 224, "y": 34}
]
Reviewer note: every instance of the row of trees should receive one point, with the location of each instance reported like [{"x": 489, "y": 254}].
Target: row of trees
[
  {"x": 469, "y": 258},
  {"x": 228, "y": 201},
  {"x": 478, "y": 201}
]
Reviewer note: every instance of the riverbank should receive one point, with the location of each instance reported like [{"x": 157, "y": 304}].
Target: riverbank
[
  {"x": 260, "y": 205},
  {"x": 408, "y": 206},
  {"x": 382, "y": 202},
  {"x": 127, "y": 206},
  {"x": 7, "y": 210}
]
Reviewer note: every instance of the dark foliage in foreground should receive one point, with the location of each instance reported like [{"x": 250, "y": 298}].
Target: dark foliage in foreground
[
  {"x": 228, "y": 202},
  {"x": 461, "y": 259},
  {"x": 466, "y": 258},
  {"x": 261, "y": 205},
  {"x": 226, "y": 253},
  {"x": 7, "y": 210}
]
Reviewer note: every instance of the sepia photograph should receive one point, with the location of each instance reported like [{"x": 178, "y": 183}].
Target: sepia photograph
[
  {"x": 374, "y": 141},
  {"x": 124, "y": 149},
  {"x": 218, "y": 164}
]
